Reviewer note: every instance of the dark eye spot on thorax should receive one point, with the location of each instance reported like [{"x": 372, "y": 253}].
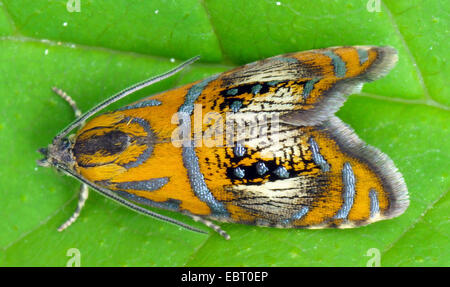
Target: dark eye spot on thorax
[{"x": 110, "y": 143}]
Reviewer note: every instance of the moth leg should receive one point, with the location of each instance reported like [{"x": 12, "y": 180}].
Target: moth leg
[
  {"x": 68, "y": 99},
  {"x": 83, "y": 196},
  {"x": 211, "y": 225}
]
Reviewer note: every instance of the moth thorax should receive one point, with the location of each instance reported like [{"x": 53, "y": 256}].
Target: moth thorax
[{"x": 127, "y": 143}]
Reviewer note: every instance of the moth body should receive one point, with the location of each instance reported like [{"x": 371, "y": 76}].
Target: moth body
[{"x": 257, "y": 145}]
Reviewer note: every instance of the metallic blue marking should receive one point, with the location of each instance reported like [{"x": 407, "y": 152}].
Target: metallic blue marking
[
  {"x": 348, "y": 194},
  {"x": 170, "y": 204},
  {"x": 308, "y": 88},
  {"x": 261, "y": 168},
  {"x": 198, "y": 185},
  {"x": 301, "y": 213},
  {"x": 298, "y": 215},
  {"x": 232, "y": 92},
  {"x": 143, "y": 104},
  {"x": 193, "y": 93},
  {"x": 239, "y": 172},
  {"x": 147, "y": 185},
  {"x": 239, "y": 150},
  {"x": 256, "y": 89},
  {"x": 282, "y": 172},
  {"x": 363, "y": 56},
  {"x": 235, "y": 106},
  {"x": 374, "y": 205},
  {"x": 317, "y": 157},
  {"x": 339, "y": 66},
  {"x": 273, "y": 83},
  {"x": 149, "y": 149}
]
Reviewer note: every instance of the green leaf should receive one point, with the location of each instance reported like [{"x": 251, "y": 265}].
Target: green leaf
[{"x": 110, "y": 45}]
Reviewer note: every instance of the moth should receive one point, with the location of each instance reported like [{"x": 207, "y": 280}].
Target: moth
[{"x": 258, "y": 145}]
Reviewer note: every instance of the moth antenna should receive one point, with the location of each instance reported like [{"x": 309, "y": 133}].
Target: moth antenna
[
  {"x": 109, "y": 194},
  {"x": 121, "y": 95}
]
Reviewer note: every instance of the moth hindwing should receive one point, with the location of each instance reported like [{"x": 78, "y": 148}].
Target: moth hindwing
[{"x": 257, "y": 145}]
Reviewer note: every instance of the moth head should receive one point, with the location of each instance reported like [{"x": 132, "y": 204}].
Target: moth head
[{"x": 57, "y": 154}]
